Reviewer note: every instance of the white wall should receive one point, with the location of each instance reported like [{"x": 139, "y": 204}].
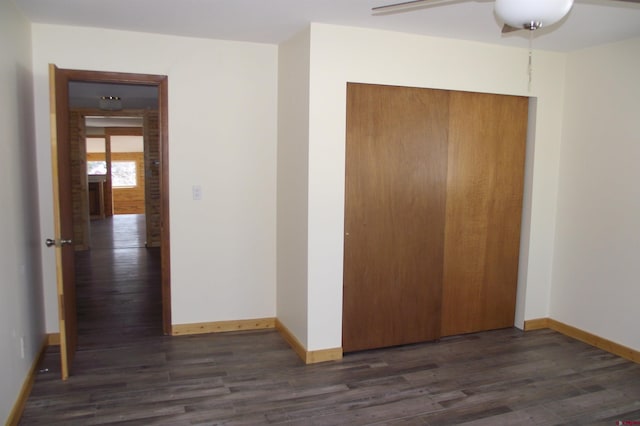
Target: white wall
[
  {"x": 223, "y": 104},
  {"x": 342, "y": 54},
  {"x": 222, "y": 136},
  {"x": 20, "y": 273},
  {"x": 596, "y": 274},
  {"x": 293, "y": 170}
]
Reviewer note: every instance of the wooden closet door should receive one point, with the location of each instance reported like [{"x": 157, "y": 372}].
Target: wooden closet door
[
  {"x": 396, "y": 169},
  {"x": 487, "y": 136}
]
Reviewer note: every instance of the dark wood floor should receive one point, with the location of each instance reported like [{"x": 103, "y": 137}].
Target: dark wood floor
[
  {"x": 118, "y": 284},
  {"x": 503, "y": 377},
  {"x": 133, "y": 375}
]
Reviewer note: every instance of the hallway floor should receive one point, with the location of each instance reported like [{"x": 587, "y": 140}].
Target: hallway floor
[{"x": 118, "y": 284}]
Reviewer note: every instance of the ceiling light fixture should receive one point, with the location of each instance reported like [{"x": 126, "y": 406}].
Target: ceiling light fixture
[
  {"x": 110, "y": 103},
  {"x": 531, "y": 14}
]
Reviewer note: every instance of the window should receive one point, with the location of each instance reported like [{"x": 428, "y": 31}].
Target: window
[
  {"x": 96, "y": 167},
  {"x": 123, "y": 174}
]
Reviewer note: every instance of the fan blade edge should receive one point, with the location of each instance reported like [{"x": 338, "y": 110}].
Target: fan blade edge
[
  {"x": 407, "y": 5},
  {"x": 509, "y": 29}
]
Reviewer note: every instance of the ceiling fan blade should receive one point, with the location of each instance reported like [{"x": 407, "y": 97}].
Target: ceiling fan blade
[
  {"x": 406, "y": 6},
  {"x": 509, "y": 29}
]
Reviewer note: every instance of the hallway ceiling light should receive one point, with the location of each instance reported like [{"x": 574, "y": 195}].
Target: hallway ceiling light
[{"x": 110, "y": 103}]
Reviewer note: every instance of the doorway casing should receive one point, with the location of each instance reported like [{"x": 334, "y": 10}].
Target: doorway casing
[{"x": 63, "y": 77}]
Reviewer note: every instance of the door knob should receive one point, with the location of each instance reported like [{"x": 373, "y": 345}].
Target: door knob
[{"x": 58, "y": 243}]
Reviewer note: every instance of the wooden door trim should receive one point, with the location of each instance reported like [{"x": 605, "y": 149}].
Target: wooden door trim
[
  {"x": 58, "y": 98},
  {"x": 161, "y": 82},
  {"x": 123, "y": 131}
]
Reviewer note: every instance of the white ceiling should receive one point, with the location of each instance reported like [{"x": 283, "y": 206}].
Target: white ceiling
[{"x": 590, "y": 22}]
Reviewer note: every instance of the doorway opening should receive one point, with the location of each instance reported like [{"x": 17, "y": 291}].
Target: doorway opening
[
  {"x": 118, "y": 280},
  {"x": 73, "y": 198}
]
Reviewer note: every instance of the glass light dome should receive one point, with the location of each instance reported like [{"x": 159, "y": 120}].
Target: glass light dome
[{"x": 531, "y": 14}]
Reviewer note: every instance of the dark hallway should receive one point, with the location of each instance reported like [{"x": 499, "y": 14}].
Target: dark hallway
[{"x": 118, "y": 284}]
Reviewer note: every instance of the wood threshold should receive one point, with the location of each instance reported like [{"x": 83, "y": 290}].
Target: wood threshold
[
  {"x": 222, "y": 326},
  {"x": 584, "y": 336},
  {"x": 27, "y": 385},
  {"x": 308, "y": 357}
]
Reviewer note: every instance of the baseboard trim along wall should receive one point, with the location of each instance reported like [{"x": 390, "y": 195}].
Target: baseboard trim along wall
[
  {"x": 584, "y": 336},
  {"x": 309, "y": 357},
  {"x": 25, "y": 390},
  {"x": 222, "y": 326},
  {"x": 312, "y": 357},
  {"x": 53, "y": 339},
  {"x": 536, "y": 324}
]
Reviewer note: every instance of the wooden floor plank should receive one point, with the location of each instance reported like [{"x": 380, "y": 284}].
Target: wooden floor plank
[{"x": 374, "y": 387}]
